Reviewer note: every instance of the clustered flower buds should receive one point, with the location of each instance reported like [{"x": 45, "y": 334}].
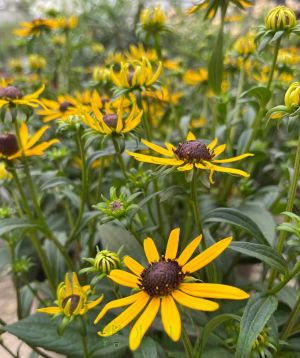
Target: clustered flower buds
[{"x": 280, "y": 18}]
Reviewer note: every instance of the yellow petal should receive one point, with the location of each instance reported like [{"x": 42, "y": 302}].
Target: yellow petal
[
  {"x": 124, "y": 278},
  {"x": 188, "y": 251},
  {"x": 36, "y": 136},
  {"x": 194, "y": 302},
  {"x": 35, "y": 94},
  {"x": 68, "y": 285},
  {"x": 206, "y": 256},
  {"x": 143, "y": 323},
  {"x": 23, "y": 134},
  {"x": 151, "y": 250},
  {"x": 233, "y": 159},
  {"x": 218, "y": 168},
  {"x": 154, "y": 160},
  {"x": 219, "y": 150},
  {"x": 118, "y": 303},
  {"x": 157, "y": 148},
  {"x": 170, "y": 318},
  {"x": 212, "y": 144},
  {"x": 125, "y": 317},
  {"x": 94, "y": 303},
  {"x": 213, "y": 290},
  {"x": 49, "y": 310},
  {"x": 186, "y": 167},
  {"x": 133, "y": 265},
  {"x": 172, "y": 245},
  {"x": 190, "y": 136}
]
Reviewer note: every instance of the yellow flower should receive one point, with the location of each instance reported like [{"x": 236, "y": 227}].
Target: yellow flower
[
  {"x": 292, "y": 96},
  {"x": 136, "y": 53},
  {"x": 116, "y": 118},
  {"x": 245, "y": 45},
  {"x": 16, "y": 65},
  {"x": 12, "y": 96},
  {"x": 136, "y": 74},
  {"x": 62, "y": 108},
  {"x": 9, "y": 147},
  {"x": 35, "y": 27},
  {"x": 4, "y": 174},
  {"x": 72, "y": 298},
  {"x": 193, "y": 78},
  {"x": 192, "y": 154},
  {"x": 164, "y": 281},
  {"x": 164, "y": 95},
  {"x": 101, "y": 74},
  {"x": 153, "y": 20},
  {"x": 280, "y": 18},
  {"x": 66, "y": 24},
  {"x": 36, "y": 62}
]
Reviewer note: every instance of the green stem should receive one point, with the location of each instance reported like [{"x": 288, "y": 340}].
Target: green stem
[
  {"x": 292, "y": 320},
  {"x": 15, "y": 279},
  {"x": 83, "y": 335},
  {"x": 195, "y": 203},
  {"x": 119, "y": 156},
  {"x": 187, "y": 343},
  {"x": 289, "y": 207},
  {"x": 271, "y": 74},
  {"x": 292, "y": 274},
  {"x": 157, "y": 46},
  {"x": 84, "y": 187}
]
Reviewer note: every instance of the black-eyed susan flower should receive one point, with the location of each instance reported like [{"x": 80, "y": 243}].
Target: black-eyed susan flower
[
  {"x": 66, "y": 23},
  {"x": 245, "y": 45},
  {"x": 280, "y": 18},
  {"x": 153, "y": 20},
  {"x": 116, "y": 117},
  {"x": 11, "y": 96},
  {"x": 161, "y": 284},
  {"x": 72, "y": 298},
  {"x": 35, "y": 27},
  {"x": 212, "y": 6},
  {"x": 192, "y": 154},
  {"x": 9, "y": 147},
  {"x": 61, "y": 109},
  {"x": 136, "y": 74},
  {"x": 36, "y": 62},
  {"x": 193, "y": 77}
]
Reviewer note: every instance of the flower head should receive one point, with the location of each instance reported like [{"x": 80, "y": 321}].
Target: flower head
[
  {"x": 153, "y": 20},
  {"x": 162, "y": 283},
  {"x": 37, "y": 62},
  {"x": 11, "y": 96},
  {"x": 35, "y": 27},
  {"x": 192, "y": 154},
  {"x": 115, "y": 118},
  {"x": 103, "y": 263},
  {"x": 9, "y": 147},
  {"x": 245, "y": 45},
  {"x": 66, "y": 23},
  {"x": 280, "y": 18},
  {"x": 292, "y": 96},
  {"x": 72, "y": 298},
  {"x": 136, "y": 74}
]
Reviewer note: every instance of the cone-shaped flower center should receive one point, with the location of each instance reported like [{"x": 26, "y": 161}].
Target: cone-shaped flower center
[
  {"x": 161, "y": 278},
  {"x": 193, "y": 151},
  {"x": 74, "y": 299},
  {"x": 10, "y": 92},
  {"x": 111, "y": 120},
  {"x": 64, "y": 106},
  {"x": 116, "y": 205},
  {"x": 8, "y": 144}
]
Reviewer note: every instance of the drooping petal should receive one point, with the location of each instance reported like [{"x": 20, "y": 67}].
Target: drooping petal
[
  {"x": 125, "y": 317},
  {"x": 95, "y": 303},
  {"x": 212, "y": 144},
  {"x": 218, "y": 168},
  {"x": 188, "y": 251},
  {"x": 194, "y": 302},
  {"x": 124, "y": 278},
  {"x": 172, "y": 245},
  {"x": 151, "y": 250},
  {"x": 157, "y": 148},
  {"x": 143, "y": 323},
  {"x": 170, "y": 318},
  {"x": 118, "y": 303},
  {"x": 154, "y": 160},
  {"x": 133, "y": 265},
  {"x": 219, "y": 150},
  {"x": 213, "y": 290},
  {"x": 188, "y": 166},
  {"x": 233, "y": 159},
  {"x": 206, "y": 256}
]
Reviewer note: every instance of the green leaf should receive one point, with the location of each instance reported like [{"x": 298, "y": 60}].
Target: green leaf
[
  {"x": 39, "y": 330},
  {"x": 7, "y": 225},
  {"x": 257, "y": 313},
  {"x": 261, "y": 93},
  {"x": 262, "y": 252},
  {"x": 212, "y": 325},
  {"x": 215, "y": 66},
  {"x": 147, "y": 349},
  {"x": 54, "y": 182},
  {"x": 237, "y": 218}
]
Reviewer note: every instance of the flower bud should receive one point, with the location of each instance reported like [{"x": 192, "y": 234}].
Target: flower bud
[
  {"x": 102, "y": 263},
  {"x": 36, "y": 62},
  {"x": 280, "y": 18},
  {"x": 292, "y": 96}
]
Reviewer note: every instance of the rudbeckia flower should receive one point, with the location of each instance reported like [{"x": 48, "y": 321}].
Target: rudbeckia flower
[
  {"x": 62, "y": 108},
  {"x": 116, "y": 118},
  {"x": 35, "y": 27},
  {"x": 161, "y": 284},
  {"x": 192, "y": 154},
  {"x": 9, "y": 147},
  {"x": 72, "y": 298},
  {"x": 12, "y": 96},
  {"x": 192, "y": 77},
  {"x": 136, "y": 74}
]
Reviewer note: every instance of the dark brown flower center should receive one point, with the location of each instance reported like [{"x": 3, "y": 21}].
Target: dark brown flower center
[
  {"x": 75, "y": 299},
  {"x": 161, "y": 278},
  {"x": 64, "y": 106},
  {"x": 111, "y": 120},
  {"x": 193, "y": 151},
  {"x": 8, "y": 144},
  {"x": 10, "y": 92}
]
